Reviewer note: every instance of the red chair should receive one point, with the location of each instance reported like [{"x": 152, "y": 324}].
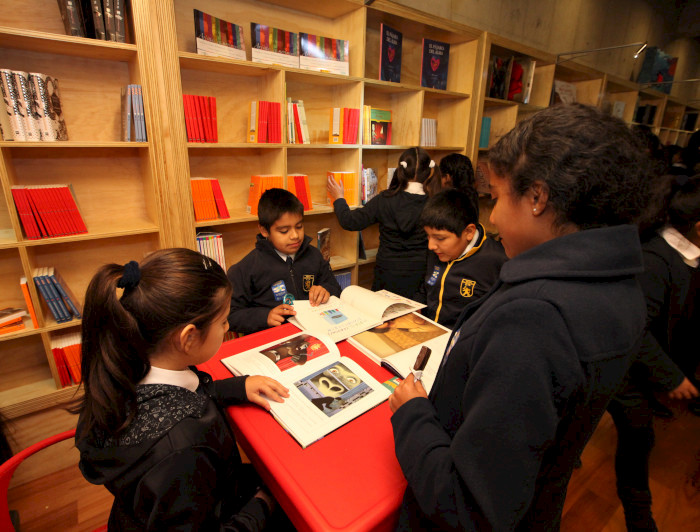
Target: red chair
[{"x": 8, "y": 468}]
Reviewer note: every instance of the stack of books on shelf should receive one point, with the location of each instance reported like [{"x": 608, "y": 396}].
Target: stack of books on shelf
[
  {"x": 349, "y": 181},
  {"x": 298, "y": 184},
  {"x": 428, "y": 132},
  {"x": 66, "y": 350},
  {"x": 133, "y": 117},
  {"x": 11, "y": 319},
  {"x": 208, "y": 199},
  {"x": 323, "y": 241},
  {"x": 212, "y": 245},
  {"x": 297, "y": 128},
  {"x": 265, "y": 122},
  {"x": 28, "y": 300},
  {"x": 344, "y": 125},
  {"x": 95, "y": 19},
  {"x": 369, "y": 186},
  {"x": 30, "y": 109},
  {"x": 57, "y": 295},
  {"x": 274, "y": 46},
  {"x": 217, "y": 37},
  {"x": 48, "y": 211},
  {"x": 434, "y": 63},
  {"x": 258, "y": 185},
  {"x": 344, "y": 279},
  {"x": 200, "y": 118},
  {"x": 324, "y": 54},
  {"x": 376, "y": 126}
]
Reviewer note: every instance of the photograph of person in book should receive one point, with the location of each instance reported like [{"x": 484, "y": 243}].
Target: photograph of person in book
[
  {"x": 295, "y": 351},
  {"x": 398, "y": 334},
  {"x": 333, "y": 388},
  {"x": 378, "y": 132}
]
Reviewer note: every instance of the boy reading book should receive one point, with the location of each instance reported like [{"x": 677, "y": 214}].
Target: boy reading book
[
  {"x": 464, "y": 262},
  {"x": 282, "y": 267}
]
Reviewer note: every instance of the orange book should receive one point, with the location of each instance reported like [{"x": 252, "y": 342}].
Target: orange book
[
  {"x": 198, "y": 200},
  {"x": 28, "y": 301},
  {"x": 258, "y": 185},
  {"x": 349, "y": 180},
  {"x": 72, "y": 349}
]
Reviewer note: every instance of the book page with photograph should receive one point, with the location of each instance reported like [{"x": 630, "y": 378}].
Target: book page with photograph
[
  {"x": 325, "y": 390},
  {"x": 395, "y": 344},
  {"x": 357, "y": 310}
]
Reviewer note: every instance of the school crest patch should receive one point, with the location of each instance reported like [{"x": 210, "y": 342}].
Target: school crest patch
[
  {"x": 308, "y": 282},
  {"x": 466, "y": 289}
]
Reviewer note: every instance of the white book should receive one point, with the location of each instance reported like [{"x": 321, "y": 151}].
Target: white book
[
  {"x": 32, "y": 121},
  {"x": 357, "y": 310},
  {"x": 302, "y": 119},
  {"x": 13, "y": 108},
  {"x": 214, "y": 49},
  {"x": 326, "y": 390}
]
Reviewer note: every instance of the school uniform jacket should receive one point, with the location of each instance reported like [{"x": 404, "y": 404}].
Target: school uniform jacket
[
  {"x": 449, "y": 286},
  {"x": 176, "y": 466},
  {"x": 531, "y": 369},
  {"x": 258, "y": 278},
  {"x": 403, "y": 244}
]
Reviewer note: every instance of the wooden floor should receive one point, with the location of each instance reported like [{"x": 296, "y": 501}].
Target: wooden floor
[{"x": 65, "y": 502}]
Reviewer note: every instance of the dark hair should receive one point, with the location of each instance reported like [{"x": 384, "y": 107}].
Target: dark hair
[
  {"x": 683, "y": 202},
  {"x": 417, "y": 169},
  {"x": 172, "y": 288},
  {"x": 450, "y": 210},
  {"x": 460, "y": 169},
  {"x": 595, "y": 169},
  {"x": 276, "y": 202}
]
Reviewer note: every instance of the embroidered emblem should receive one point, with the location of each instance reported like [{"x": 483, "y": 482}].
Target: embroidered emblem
[
  {"x": 279, "y": 290},
  {"x": 308, "y": 282},
  {"x": 466, "y": 289},
  {"x": 434, "y": 276}
]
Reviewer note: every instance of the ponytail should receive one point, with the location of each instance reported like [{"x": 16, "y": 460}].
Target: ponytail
[
  {"x": 415, "y": 164},
  {"x": 169, "y": 289}
]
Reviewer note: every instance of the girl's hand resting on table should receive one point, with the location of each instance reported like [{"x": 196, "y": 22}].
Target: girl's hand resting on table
[
  {"x": 685, "y": 390},
  {"x": 256, "y": 386}
]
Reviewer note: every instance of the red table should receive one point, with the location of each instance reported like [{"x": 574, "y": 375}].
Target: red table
[{"x": 349, "y": 480}]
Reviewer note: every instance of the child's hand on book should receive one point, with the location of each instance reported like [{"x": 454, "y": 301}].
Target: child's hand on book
[
  {"x": 278, "y": 314},
  {"x": 258, "y": 389},
  {"x": 335, "y": 189},
  {"x": 318, "y": 295},
  {"x": 404, "y": 392}
]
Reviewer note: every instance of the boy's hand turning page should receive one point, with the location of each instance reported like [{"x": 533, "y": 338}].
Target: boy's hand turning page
[{"x": 325, "y": 390}]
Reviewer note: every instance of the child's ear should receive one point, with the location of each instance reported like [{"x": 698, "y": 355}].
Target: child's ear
[
  {"x": 187, "y": 337},
  {"x": 264, "y": 232},
  {"x": 469, "y": 231}
]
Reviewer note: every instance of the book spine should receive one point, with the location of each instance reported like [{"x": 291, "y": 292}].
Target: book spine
[
  {"x": 54, "y": 97},
  {"x": 31, "y": 118},
  {"x": 13, "y": 106},
  {"x": 98, "y": 19},
  {"x": 110, "y": 27},
  {"x": 67, "y": 300},
  {"x": 28, "y": 300},
  {"x": 44, "y": 292},
  {"x": 55, "y": 297},
  {"x": 126, "y": 114},
  {"x": 72, "y": 17},
  {"x": 119, "y": 20},
  {"x": 42, "y": 105}
]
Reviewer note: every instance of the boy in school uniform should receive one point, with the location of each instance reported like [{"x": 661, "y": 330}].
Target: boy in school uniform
[
  {"x": 464, "y": 262},
  {"x": 284, "y": 266}
]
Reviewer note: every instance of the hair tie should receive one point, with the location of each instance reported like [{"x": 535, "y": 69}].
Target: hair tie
[
  {"x": 131, "y": 276},
  {"x": 432, "y": 164},
  {"x": 682, "y": 179},
  {"x": 404, "y": 164}
]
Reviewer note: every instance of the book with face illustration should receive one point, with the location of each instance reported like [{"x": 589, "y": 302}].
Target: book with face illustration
[
  {"x": 436, "y": 56},
  {"x": 390, "y": 54}
]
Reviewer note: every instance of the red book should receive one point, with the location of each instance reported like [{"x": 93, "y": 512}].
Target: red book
[
  {"x": 198, "y": 118},
  {"x": 262, "y": 121},
  {"x": 42, "y": 203},
  {"x": 188, "y": 125},
  {"x": 346, "y": 125},
  {"x": 219, "y": 198},
  {"x": 207, "y": 115},
  {"x": 297, "y": 125},
  {"x": 73, "y": 210},
  {"x": 37, "y": 216},
  {"x": 60, "y": 360},
  {"x": 202, "y": 117},
  {"x": 212, "y": 102},
  {"x": 55, "y": 211},
  {"x": 31, "y": 229},
  {"x": 59, "y": 210}
]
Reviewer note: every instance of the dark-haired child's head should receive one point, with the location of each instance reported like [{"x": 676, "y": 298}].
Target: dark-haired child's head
[
  {"x": 457, "y": 172},
  {"x": 281, "y": 220},
  {"x": 683, "y": 210},
  {"x": 591, "y": 168},
  {"x": 450, "y": 220},
  {"x": 416, "y": 165}
]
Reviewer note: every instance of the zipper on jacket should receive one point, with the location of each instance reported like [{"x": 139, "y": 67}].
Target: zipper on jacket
[{"x": 294, "y": 280}]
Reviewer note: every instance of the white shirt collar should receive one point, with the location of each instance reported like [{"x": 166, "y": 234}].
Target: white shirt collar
[
  {"x": 284, "y": 256},
  {"x": 688, "y": 251},
  {"x": 471, "y": 244},
  {"x": 185, "y": 378},
  {"x": 414, "y": 187}
]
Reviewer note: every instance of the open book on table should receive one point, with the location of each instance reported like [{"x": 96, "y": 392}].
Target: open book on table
[
  {"x": 395, "y": 344},
  {"x": 357, "y": 310},
  {"x": 326, "y": 391}
]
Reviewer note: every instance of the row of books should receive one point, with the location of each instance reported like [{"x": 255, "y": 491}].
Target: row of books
[
  {"x": 376, "y": 125},
  {"x": 208, "y": 199},
  {"x": 217, "y": 37},
  {"x": 510, "y": 78},
  {"x": 66, "y": 351},
  {"x": 298, "y": 184},
  {"x": 31, "y": 107},
  {"x": 258, "y": 185},
  {"x": 57, "y": 295},
  {"x": 12, "y": 319},
  {"x": 349, "y": 181},
  {"x": 48, "y": 211},
  {"x": 369, "y": 185},
  {"x": 133, "y": 117},
  {"x": 435, "y": 57},
  {"x": 95, "y": 19},
  {"x": 297, "y": 128},
  {"x": 265, "y": 122},
  {"x": 211, "y": 244},
  {"x": 428, "y": 132},
  {"x": 344, "y": 125},
  {"x": 200, "y": 118}
]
